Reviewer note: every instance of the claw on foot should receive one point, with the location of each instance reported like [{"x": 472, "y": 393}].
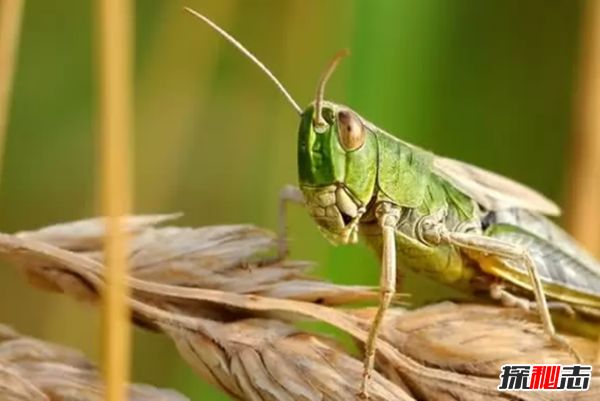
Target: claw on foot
[
  {"x": 399, "y": 300},
  {"x": 247, "y": 265},
  {"x": 561, "y": 306},
  {"x": 283, "y": 251},
  {"x": 364, "y": 393},
  {"x": 267, "y": 261},
  {"x": 562, "y": 342}
]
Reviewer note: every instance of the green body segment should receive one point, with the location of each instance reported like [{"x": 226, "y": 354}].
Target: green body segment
[
  {"x": 337, "y": 183},
  {"x": 403, "y": 174}
]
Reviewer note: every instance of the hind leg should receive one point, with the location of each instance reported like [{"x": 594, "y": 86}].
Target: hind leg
[{"x": 488, "y": 247}]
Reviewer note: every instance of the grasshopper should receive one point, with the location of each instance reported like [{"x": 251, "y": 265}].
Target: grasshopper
[{"x": 464, "y": 226}]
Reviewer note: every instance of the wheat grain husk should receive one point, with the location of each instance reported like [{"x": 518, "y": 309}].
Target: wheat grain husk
[{"x": 235, "y": 315}]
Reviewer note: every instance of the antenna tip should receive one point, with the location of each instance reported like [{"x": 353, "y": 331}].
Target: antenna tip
[
  {"x": 194, "y": 12},
  {"x": 340, "y": 54},
  {"x": 337, "y": 58}
]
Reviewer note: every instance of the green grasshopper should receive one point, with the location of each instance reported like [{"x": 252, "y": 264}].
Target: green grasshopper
[{"x": 466, "y": 227}]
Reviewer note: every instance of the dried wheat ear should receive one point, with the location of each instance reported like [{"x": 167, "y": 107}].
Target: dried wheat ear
[
  {"x": 235, "y": 316},
  {"x": 35, "y": 370}
]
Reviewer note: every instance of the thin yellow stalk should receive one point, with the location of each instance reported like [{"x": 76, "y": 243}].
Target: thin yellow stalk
[
  {"x": 115, "y": 20},
  {"x": 11, "y": 12},
  {"x": 583, "y": 206}
]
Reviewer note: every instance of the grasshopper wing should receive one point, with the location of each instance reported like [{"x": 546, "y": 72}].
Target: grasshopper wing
[
  {"x": 569, "y": 273},
  {"x": 492, "y": 191}
]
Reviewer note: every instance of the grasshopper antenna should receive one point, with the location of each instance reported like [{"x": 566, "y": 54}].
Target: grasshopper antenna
[
  {"x": 319, "y": 121},
  {"x": 251, "y": 56}
]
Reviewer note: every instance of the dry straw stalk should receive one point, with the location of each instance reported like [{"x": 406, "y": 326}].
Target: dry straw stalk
[{"x": 238, "y": 326}]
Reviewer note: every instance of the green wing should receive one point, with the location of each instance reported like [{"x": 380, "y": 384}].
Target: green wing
[{"x": 558, "y": 258}]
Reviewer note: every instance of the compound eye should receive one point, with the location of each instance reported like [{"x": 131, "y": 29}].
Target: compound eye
[{"x": 352, "y": 130}]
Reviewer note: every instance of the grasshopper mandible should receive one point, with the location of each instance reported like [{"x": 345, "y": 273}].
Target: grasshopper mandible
[{"x": 464, "y": 226}]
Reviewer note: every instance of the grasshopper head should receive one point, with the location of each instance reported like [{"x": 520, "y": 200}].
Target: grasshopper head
[
  {"x": 337, "y": 165},
  {"x": 325, "y": 147},
  {"x": 337, "y": 155}
]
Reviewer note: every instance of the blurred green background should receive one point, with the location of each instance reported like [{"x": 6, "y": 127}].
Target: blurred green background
[{"x": 489, "y": 82}]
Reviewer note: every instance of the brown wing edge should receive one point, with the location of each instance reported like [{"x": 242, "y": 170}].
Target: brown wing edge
[{"x": 491, "y": 190}]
